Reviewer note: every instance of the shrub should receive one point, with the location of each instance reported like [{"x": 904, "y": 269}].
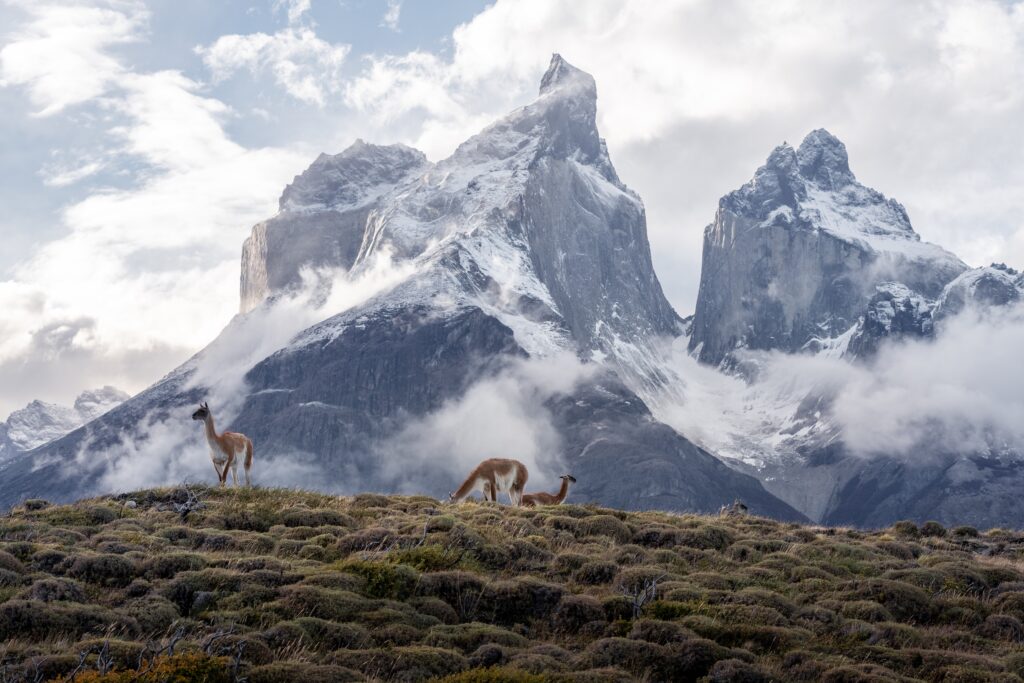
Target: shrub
[
  {"x": 316, "y": 518},
  {"x": 152, "y": 613},
  {"x": 461, "y": 590},
  {"x": 38, "y": 620},
  {"x": 384, "y": 579},
  {"x": 965, "y": 532},
  {"x": 904, "y": 602},
  {"x": 165, "y": 566},
  {"x": 436, "y": 608},
  {"x": 328, "y": 635},
  {"x": 736, "y": 671},
  {"x": 288, "y": 672},
  {"x": 688, "y": 660},
  {"x": 402, "y": 663},
  {"x": 566, "y": 563},
  {"x": 574, "y": 611},
  {"x": 707, "y": 537},
  {"x": 396, "y": 634},
  {"x": 906, "y": 529},
  {"x": 469, "y": 637},
  {"x": 105, "y": 570},
  {"x": 660, "y": 632},
  {"x": 865, "y": 610},
  {"x": 1001, "y": 627},
  {"x": 605, "y": 525},
  {"x": 310, "y": 601},
  {"x": 10, "y": 563},
  {"x": 595, "y": 572},
  {"x": 177, "y": 669},
  {"x": 933, "y": 529},
  {"x": 53, "y": 590},
  {"x": 188, "y": 589},
  {"x": 493, "y": 675}
]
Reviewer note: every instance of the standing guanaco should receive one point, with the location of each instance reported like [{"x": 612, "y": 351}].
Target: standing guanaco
[
  {"x": 533, "y": 499},
  {"x": 226, "y": 448},
  {"x": 492, "y": 476}
]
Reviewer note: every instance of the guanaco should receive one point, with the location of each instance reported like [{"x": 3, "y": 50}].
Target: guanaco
[
  {"x": 533, "y": 499},
  {"x": 492, "y": 476},
  {"x": 225, "y": 448}
]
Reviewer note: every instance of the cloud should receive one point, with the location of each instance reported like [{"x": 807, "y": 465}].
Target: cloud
[
  {"x": 296, "y": 9},
  {"x": 391, "y": 16},
  {"x": 498, "y": 417},
  {"x": 61, "y": 55},
  {"x": 153, "y": 264},
  {"x": 307, "y": 67},
  {"x": 958, "y": 393}
]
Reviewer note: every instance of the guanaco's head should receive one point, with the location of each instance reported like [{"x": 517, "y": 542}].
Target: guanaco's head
[
  {"x": 202, "y": 413},
  {"x": 568, "y": 477},
  {"x": 451, "y": 496}
]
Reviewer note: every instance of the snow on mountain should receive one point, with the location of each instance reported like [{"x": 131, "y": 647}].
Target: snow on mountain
[
  {"x": 995, "y": 285},
  {"x": 795, "y": 255},
  {"x": 40, "y": 422},
  {"x": 527, "y": 220}
]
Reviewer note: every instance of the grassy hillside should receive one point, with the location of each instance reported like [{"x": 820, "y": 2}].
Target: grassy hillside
[{"x": 270, "y": 586}]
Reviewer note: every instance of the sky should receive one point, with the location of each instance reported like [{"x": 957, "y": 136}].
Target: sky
[{"x": 139, "y": 142}]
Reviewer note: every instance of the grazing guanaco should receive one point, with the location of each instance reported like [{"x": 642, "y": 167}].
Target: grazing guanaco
[
  {"x": 533, "y": 499},
  {"x": 492, "y": 476},
  {"x": 226, "y": 448}
]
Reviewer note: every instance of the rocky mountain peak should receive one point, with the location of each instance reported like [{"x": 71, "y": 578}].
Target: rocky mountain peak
[
  {"x": 561, "y": 75},
  {"x": 353, "y": 177},
  {"x": 822, "y": 159}
]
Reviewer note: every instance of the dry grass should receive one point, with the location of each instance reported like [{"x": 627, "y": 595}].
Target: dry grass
[{"x": 281, "y": 585}]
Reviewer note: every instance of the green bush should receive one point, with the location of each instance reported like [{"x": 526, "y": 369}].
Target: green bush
[
  {"x": 469, "y": 637},
  {"x": 575, "y": 611},
  {"x": 605, "y": 525},
  {"x": 595, "y": 572},
  {"x": 494, "y": 675},
  {"x": 316, "y": 518},
  {"x": 55, "y": 590},
  {"x": 402, "y": 663},
  {"x": 104, "y": 570},
  {"x": 290, "y": 672},
  {"x": 38, "y": 620},
  {"x": 933, "y": 529},
  {"x": 736, "y": 671}
]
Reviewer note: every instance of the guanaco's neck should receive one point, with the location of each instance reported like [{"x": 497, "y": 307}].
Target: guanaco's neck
[
  {"x": 211, "y": 432},
  {"x": 564, "y": 491}
]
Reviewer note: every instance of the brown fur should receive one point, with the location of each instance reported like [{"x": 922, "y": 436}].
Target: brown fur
[
  {"x": 226, "y": 444},
  {"x": 534, "y": 499},
  {"x": 490, "y": 471}
]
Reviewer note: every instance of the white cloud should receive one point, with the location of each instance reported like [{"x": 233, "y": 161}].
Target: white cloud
[
  {"x": 296, "y": 9},
  {"x": 307, "y": 67},
  {"x": 62, "y": 55},
  {"x": 148, "y": 268},
  {"x": 392, "y": 14},
  {"x": 498, "y": 417},
  {"x": 958, "y": 393}
]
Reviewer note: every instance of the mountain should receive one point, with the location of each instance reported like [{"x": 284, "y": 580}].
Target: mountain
[
  {"x": 517, "y": 272},
  {"x": 806, "y": 262},
  {"x": 794, "y": 256},
  {"x": 39, "y": 422}
]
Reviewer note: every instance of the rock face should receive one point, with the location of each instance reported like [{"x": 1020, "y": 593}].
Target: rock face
[
  {"x": 794, "y": 256},
  {"x": 524, "y": 244},
  {"x": 322, "y": 217}
]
